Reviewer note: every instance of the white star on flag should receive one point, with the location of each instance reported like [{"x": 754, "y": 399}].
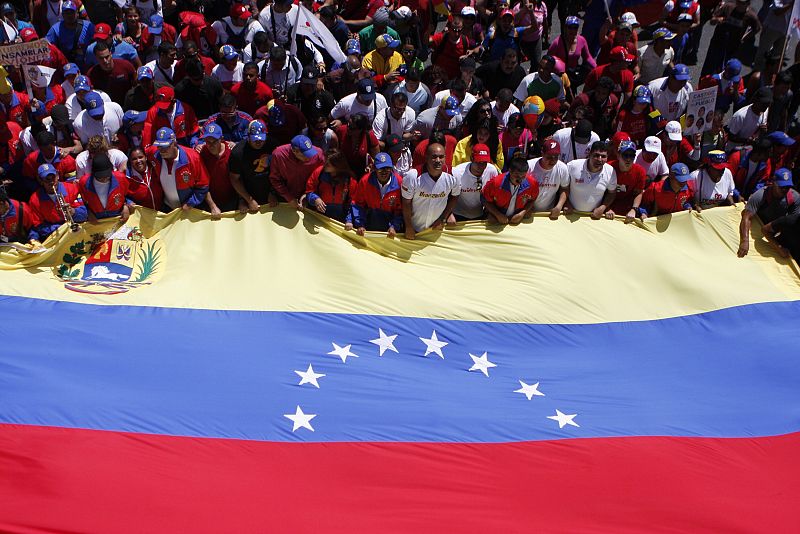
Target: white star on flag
[
  {"x": 342, "y": 352},
  {"x": 309, "y": 376},
  {"x": 385, "y": 342},
  {"x": 300, "y": 419},
  {"x": 564, "y": 419},
  {"x": 529, "y": 390},
  {"x": 433, "y": 344},
  {"x": 482, "y": 363}
]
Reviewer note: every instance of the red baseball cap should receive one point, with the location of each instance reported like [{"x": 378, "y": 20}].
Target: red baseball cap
[
  {"x": 619, "y": 137},
  {"x": 102, "y": 31},
  {"x": 240, "y": 11},
  {"x": 165, "y": 96},
  {"x": 620, "y": 53},
  {"x": 481, "y": 154},
  {"x": 550, "y": 147},
  {"x": 28, "y": 35},
  {"x": 506, "y": 12}
]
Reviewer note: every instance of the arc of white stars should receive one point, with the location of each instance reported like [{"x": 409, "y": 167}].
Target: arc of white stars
[
  {"x": 529, "y": 390},
  {"x": 385, "y": 342},
  {"x": 343, "y": 352},
  {"x": 434, "y": 345},
  {"x": 300, "y": 419},
  {"x": 481, "y": 363},
  {"x": 309, "y": 377},
  {"x": 564, "y": 419}
]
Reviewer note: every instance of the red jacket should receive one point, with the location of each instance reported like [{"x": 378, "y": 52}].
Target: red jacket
[
  {"x": 47, "y": 216},
  {"x": 335, "y": 194},
  {"x": 117, "y": 191},
  {"x": 659, "y": 198},
  {"x": 11, "y": 151},
  {"x": 191, "y": 178},
  {"x": 64, "y": 165},
  {"x": 17, "y": 110},
  {"x": 372, "y": 211},
  {"x": 11, "y": 228},
  {"x": 498, "y": 192},
  {"x": 185, "y": 125}
]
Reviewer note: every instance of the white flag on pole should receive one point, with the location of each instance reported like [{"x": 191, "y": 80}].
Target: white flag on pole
[
  {"x": 794, "y": 22},
  {"x": 307, "y": 24}
]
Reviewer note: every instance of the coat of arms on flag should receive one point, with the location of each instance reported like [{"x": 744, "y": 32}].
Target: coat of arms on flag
[{"x": 116, "y": 264}]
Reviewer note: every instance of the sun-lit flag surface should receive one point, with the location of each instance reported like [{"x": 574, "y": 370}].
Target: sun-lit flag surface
[{"x": 271, "y": 373}]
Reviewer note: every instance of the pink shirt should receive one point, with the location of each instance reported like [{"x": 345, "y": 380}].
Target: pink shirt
[
  {"x": 288, "y": 174},
  {"x": 559, "y": 49}
]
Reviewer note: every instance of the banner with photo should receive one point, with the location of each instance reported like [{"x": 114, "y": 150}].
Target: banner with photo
[{"x": 700, "y": 112}]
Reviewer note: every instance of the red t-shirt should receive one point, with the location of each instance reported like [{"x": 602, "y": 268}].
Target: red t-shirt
[
  {"x": 635, "y": 125},
  {"x": 219, "y": 174},
  {"x": 447, "y": 55},
  {"x": 115, "y": 83},
  {"x": 250, "y": 100},
  {"x": 623, "y": 79},
  {"x": 629, "y": 184}
]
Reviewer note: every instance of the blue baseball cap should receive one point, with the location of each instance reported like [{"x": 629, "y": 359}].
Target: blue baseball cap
[
  {"x": 257, "y": 131},
  {"x": 685, "y": 4},
  {"x": 781, "y": 178},
  {"x": 144, "y": 72},
  {"x": 663, "y": 33},
  {"x": 46, "y": 169},
  {"x": 353, "y": 47},
  {"x": 681, "y": 172},
  {"x": 228, "y": 52},
  {"x": 643, "y": 95},
  {"x": 94, "y": 105},
  {"x": 69, "y": 5},
  {"x": 156, "y": 25},
  {"x": 164, "y": 137},
  {"x": 303, "y": 143},
  {"x": 680, "y": 72},
  {"x": 383, "y": 161},
  {"x": 71, "y": 68},
  {"x": 365, "y": 88},
  {"x": 452, "y": 106},
  {"x": 734, "y": 67},
  {"x": 134, "y": 117},
  {"x": 780, "y": 138},
  {"x": 212, "y": 129},
  {"x": 626, "y": 146},
  {"x": 572, "y": 21},
  {"x": 82, "y": 83},
  {"x": 386, "y": 40}
]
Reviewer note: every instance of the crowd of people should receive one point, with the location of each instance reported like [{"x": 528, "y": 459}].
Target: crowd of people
[{"x": 422, "y": 120}]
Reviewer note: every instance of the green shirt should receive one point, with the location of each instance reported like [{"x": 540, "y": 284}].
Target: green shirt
[{"x": 367, "y": 36}]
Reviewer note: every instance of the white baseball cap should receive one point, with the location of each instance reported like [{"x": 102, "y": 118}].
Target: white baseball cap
[
  {"x": 674, "y": 131},
  {"x": 653, "y": 144},
  {"x": 468, "y": 11},
  {"x": 630, "y": 18}
]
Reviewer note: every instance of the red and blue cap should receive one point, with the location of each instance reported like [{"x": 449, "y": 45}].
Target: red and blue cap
[
  {"x": 717, "y": 159},
  {"x": 165, "y": 137}
]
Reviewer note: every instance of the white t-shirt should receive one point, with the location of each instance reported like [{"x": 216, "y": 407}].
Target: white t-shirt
[
  {"x": 283, "y": 23},
  {"x": 709, "y": 193},
  {"x": 502, "y": 116},
  {"x": 83, "y": 163},
  {"x": 744, "y": 123},
  {"x": 74, "y": 107},
  {"x": 349, "y": 105},
  {"x": 225, "y": 26},
  {"x": 671, "y": 105},
  {"x": 550, "y": 182},
  {"x": 419, "y": 99},
  {"x": 280, "y": 79},
  {"x": 158, "y": 76},
  {"x": 383, "y": 128},
  {"x": 466, "y": 105},
  {"x": 586, "y": 189},
  {"x": 469, "y": 201},
  {"x": 101, "y": 188},
  {"x": 564, "y": 138},
  {"x": 221, "y": 73},
  {"x": 428, "y": 196},
  {"x": 655, "y": 169},
  {"x": 167, "y": 178},
  {"x": 651, "y": 65},
  {"x": 86, "y": 127}
]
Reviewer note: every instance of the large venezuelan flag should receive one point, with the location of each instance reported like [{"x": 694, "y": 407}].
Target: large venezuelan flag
[{"x": 268, "y": 374}]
